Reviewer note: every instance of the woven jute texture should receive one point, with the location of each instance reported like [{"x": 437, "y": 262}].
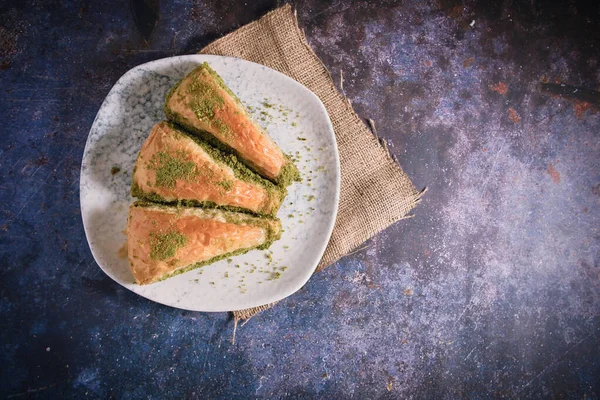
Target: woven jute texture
[{"x": 374, "y": 192}]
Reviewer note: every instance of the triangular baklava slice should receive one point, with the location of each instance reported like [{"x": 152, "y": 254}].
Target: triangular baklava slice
[
  {"x": 176, "y": 167},
  {"x": 204, "y": 105},
  {"x": 164, "y": 241}
]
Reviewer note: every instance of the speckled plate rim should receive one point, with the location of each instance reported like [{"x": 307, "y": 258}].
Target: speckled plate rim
[{"x": 289, "y": 289}]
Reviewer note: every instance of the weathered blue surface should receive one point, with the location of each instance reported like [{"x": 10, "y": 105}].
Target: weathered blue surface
[{"x": 493, "y": 289}]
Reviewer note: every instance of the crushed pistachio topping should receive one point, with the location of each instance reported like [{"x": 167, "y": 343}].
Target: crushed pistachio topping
[
  {"x": 172, "y": 167},
  {"x": 164, "y": 245},
  {"x": 204, "y": 100},
  {"x": 227, "y": 185},
  {"x": 275, "y": 276},
  {"x": 223, "y": 128}
]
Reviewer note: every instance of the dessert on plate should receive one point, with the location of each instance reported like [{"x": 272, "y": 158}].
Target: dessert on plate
[
  {"x": 208, "y": 194},
  {"x": 204, "y": 105},
  {"x": 165, "y": 241},
  {"x": 176, "y": 167}
]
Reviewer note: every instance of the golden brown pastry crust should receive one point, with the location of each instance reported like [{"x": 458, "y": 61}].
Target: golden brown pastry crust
[
  {"x": 165, "y": 240},
  {"x": 172, "y": 167},
  {"x": 203, "y": 104}
]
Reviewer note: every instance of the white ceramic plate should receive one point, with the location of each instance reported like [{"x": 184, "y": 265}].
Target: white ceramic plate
[{"x": 297, "y": 121}]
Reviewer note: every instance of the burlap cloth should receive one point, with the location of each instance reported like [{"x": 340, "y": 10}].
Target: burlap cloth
[{"x": 374, "y": 192}]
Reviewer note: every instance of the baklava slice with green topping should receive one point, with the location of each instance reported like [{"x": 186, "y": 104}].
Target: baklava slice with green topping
[
  {"x": 164, "y": 241},
  {"x": 204, "y": 105},
  {"x": 176, "y": 167}
]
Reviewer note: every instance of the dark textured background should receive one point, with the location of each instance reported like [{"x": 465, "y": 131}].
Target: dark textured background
[{"x": 492, "y": 289}]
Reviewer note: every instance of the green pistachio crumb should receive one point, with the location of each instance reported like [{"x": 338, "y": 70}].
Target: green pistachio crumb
[
  {"x": 227, "y": 185},
  {"x": 204, "y": 100},
  {"x": 223, "y": 128},
  {"x": 164, "y": 245},
  {"x": 169, "y": 168},
  {"x": 275, "y": 275}
]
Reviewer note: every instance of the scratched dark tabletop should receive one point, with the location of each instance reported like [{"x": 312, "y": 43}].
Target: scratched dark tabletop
[{"x": 491, "y": 290}]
